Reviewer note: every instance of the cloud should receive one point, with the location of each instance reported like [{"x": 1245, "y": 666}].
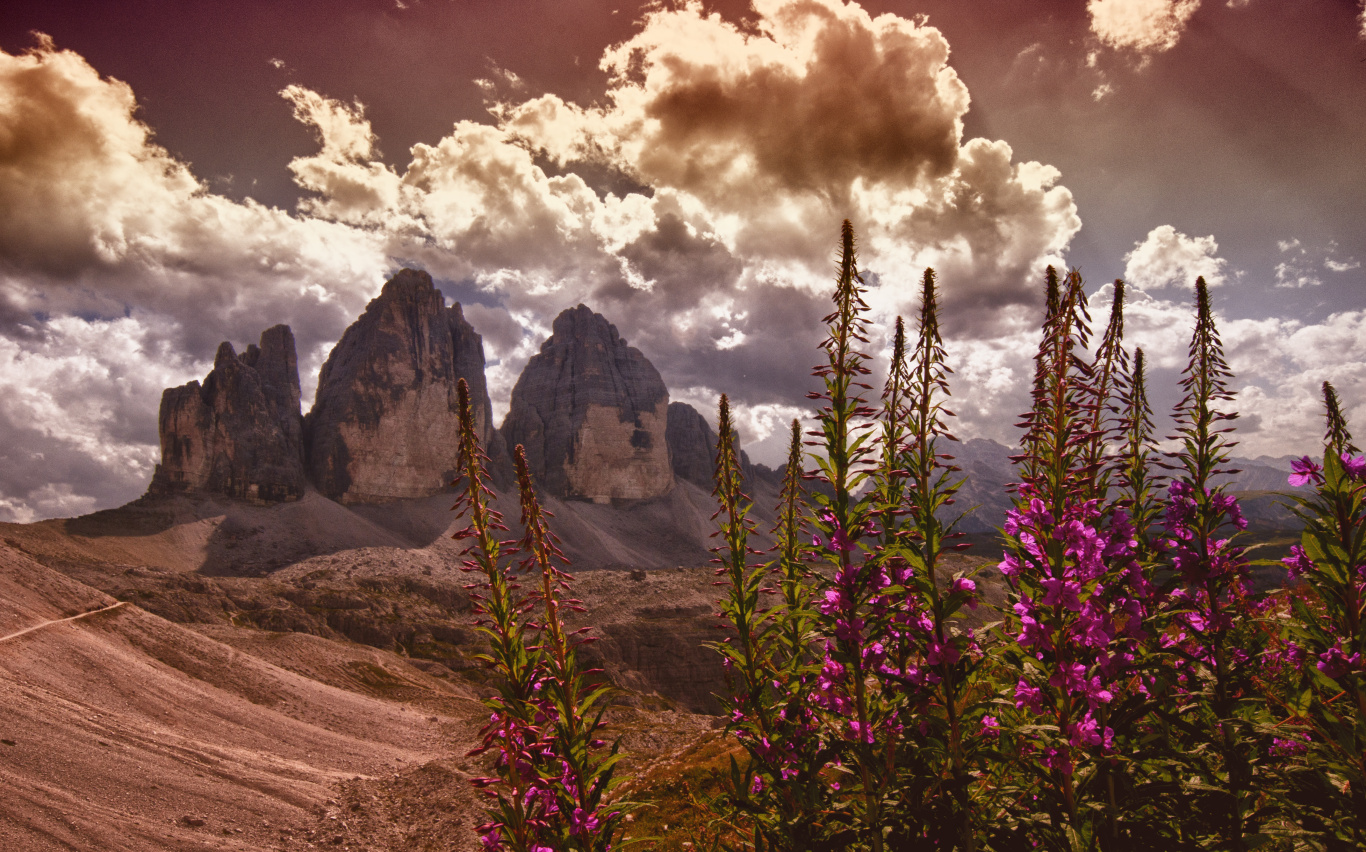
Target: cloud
[
  {"x": 1278, "y": 365},
  {"x": 100, "y": 221},
  {"x": 76, "y": 430},
  {"x": 1300, "y": 265},
  {"x": 1146, "y": 27},
  {"x": 697, "y": 204},
  {"x": 1297, "y": 270},
  {"x": 1167, "y": 256},
  {"x": 747, "y": 148}
]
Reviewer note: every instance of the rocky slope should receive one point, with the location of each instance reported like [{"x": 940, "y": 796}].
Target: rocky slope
[
  {"x": 239, "y": 433},
  {"x": 592, "y": 413},
  {"x": 385, "y": 422}
]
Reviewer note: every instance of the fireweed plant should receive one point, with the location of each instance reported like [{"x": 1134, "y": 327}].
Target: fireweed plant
[
  {"x": 1078, "y": 598},
  {"x": 780, "y": 795},
  {"x": 551, "y": 775},
  {"x": 1127, "y": 699},
  {"x": 1324, "y": 743},
  {"x": 1211, "y": 706},
  {"x": 882, "y": 724},
  {"x": 1138, "y": 482},
  {"x": 935, "y": 659}
]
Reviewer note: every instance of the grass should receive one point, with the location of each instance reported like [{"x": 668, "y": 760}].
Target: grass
[{"x": 683, "y": 790}]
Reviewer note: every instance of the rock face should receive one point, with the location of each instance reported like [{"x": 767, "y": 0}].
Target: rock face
[
  {"x": 239, "y": 433},
  {"x": 692, "y": 446},
  {"x": 385, "y": 422},
  {"x": 592, "y": 414}
]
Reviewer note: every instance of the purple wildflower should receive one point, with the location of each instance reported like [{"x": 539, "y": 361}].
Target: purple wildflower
[
  {"x": 1306, "y": 470},
  {"x": 1355, "y": 466},
  {"x": 1297, "y": 562}
]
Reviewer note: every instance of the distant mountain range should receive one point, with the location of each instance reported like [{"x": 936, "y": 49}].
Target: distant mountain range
[{"x": 591, "y": 411}]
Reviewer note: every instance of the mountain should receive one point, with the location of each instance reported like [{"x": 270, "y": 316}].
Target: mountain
[
  {"x": 385, "y": 424},
  {"x": 592, "y": 414},
  {"x": 239, "y": 433}
]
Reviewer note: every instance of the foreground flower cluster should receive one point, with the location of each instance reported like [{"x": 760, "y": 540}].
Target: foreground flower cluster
[{"x": 1135, "y": 690}]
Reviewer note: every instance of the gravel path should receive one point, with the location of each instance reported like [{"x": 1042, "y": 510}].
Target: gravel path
[{"x": 27, "y": 630}]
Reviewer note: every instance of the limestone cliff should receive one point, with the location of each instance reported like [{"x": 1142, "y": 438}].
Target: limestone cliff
[
  {"x": 239, "y": 433},
  {"x": 592, "y": 414},
  {"x": 385, "y": 422},
  {"x": 692, "y": 447}
]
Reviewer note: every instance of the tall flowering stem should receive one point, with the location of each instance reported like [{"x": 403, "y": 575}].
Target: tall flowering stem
[
  {"x": 781, "y": 790},
  {"x": 519, "y": 815},
  {"x": 1108, "y": 375},
  {"x": 851, "y": 609},
  {"x": 890, "y": 478},
  {"x": 1138, "y": 482},
  {"x": 794, "y": 620},
  {"x": 1327, "y": 734},
  {"x": 946, "y": 654},
  {"x": 575, "y": 773},
  {"x": 1210, "y": 574},
  {"x": 1079, "y": 597}
]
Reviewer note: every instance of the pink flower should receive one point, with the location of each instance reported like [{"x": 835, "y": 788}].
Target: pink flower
[
  {"x": 1305, "y": 472},
  {"x": 1355, "y": 467},
  {"x": 1062, "y": 592},
  {"x": 967, "y": 587},
  {"x": 1028, "y": 696},
  {"x": 1297, "y": 562}
]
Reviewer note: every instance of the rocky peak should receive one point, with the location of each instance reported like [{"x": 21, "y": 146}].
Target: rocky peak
[
  {"x": 591, "y": 412},
  {"x": 385, "y": 421},
  {"x": 692, "y": 447},
  {"x": 277, "y": 366},
  {"x": 236, "y": 434}
]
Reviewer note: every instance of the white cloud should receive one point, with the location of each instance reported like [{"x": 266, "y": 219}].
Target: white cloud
[
  {"x": 747, "y": 148},
  {"x": 1167, "y": 256},
  {"x": 1143, "y": 26},
  {"x": 1300, "y": 265},
  {"x": 78, "y": 421},
  {"x": 1279, "y": 366}
]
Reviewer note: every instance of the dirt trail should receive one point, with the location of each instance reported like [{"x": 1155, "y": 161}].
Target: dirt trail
[{"x": 27, "y": 630}]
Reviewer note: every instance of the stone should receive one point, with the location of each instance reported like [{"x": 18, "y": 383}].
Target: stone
[
  {"x": 692, "y": 447},
  {"x": 277, "y": 367},
  {"x": 384, "y": 425},
  {"x": 236, "y": 434},
  {"x": 592, "y": 413}
]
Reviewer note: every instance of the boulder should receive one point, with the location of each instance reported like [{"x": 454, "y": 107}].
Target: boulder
[
  {"x": 385, "y": 424},
  {"x": 592, "y": 413},
  {"x": 239, "y": 433}
]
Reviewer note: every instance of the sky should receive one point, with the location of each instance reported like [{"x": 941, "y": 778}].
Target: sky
[{"x": 173, "y": 175}]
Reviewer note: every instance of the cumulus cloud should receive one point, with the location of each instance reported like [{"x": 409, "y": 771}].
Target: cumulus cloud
[
  {"x": 1278, "y": 365},
  {"x": 1167, "y": 256},
  {"x": 76, "y": 430},
  {"x": 697, "y": 205},
  {"x": 747, "y": 147},
  {"x": 1146, "y": 27},
  {"x": 120, "y": 273}
]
